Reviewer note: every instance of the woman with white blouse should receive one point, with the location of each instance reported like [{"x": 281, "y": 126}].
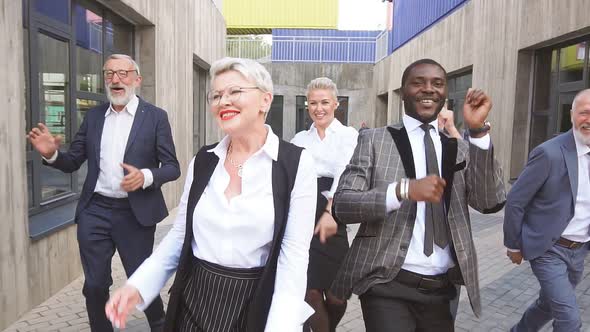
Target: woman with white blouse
[
  {"x": 331, "y": 145},
  {"x": 240, "y": 241}
]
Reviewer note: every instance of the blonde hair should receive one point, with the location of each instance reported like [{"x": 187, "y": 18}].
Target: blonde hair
[
  {"x": 250, "y": 69},
  {"x": 322, "y": 83},
  {"x": 123, "y": 56}
]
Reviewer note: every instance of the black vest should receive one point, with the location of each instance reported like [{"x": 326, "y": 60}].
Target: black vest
[{"x": 284, "y": 172}]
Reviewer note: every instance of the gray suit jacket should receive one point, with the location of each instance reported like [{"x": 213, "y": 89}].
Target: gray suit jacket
[
  {"x": 383, "y": 156},
  {"x": 541, "y": 202}
]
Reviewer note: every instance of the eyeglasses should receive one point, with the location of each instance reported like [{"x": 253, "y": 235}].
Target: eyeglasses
[
  {"x": 108, "y": 74},
  {"x": 232, "y": 94}
]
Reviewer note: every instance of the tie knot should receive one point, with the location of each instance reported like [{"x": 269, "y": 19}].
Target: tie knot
[{"x": 426, "y": 127}]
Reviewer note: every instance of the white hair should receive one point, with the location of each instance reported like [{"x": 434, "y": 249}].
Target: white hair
[
  {"x": 322, "y": 83},
  {"x": 125, "y": 57},
  {"x": 250, "y": 69},
  {"x": 579, "y": 95}
]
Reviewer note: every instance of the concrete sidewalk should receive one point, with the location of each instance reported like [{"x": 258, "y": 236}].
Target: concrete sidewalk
[{"x": 507, "y": 290}]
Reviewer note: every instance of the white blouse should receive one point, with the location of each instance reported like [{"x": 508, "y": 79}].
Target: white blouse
[
  {"x": 238, "y": 233},
  {"x": 333, "y": 153}
]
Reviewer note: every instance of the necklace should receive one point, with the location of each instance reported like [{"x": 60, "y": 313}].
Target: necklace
[{"x": 233, "y": 163}]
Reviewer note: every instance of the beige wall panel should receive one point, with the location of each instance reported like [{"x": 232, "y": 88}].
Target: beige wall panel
[{"x": 545, "y": 20}]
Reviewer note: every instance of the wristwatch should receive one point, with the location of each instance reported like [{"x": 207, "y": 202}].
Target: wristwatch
[{"x": 484, "y": 129}]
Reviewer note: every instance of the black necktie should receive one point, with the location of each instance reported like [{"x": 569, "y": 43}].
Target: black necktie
[{"x": 436, "y": 226}]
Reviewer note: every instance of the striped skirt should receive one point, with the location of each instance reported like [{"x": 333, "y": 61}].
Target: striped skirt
[{"x": 216, "y": 298}]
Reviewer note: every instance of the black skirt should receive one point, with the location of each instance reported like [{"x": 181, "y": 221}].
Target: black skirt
[
  {"x": 325, "y": 259},
  {"x": 216, "y": 298}
]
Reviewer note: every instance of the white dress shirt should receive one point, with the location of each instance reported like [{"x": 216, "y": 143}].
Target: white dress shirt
[
  {"x": 331, "y": 154},
  {"x": 238, "y": 233},
  {"x": 577, "y": 229},
  {"x": 115, "y": 133},
  {"x": 441, "y": 259}
]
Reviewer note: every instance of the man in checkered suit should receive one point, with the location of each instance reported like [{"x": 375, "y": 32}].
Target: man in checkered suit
[{"x": 409, "y": 186}]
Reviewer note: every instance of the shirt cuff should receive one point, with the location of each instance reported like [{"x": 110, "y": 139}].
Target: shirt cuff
[
  {"x": 481, "y": 142},
  {"x": 391, "y": 201},
  {"x": 513, "y": 250},
  {"x": 148, "y": 177},
  {"x": 287, "y": 313},
  {"x": 52, "y": 159}
]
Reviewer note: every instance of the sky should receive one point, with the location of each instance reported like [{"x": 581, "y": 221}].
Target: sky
[{"x": 362, "y": 14}]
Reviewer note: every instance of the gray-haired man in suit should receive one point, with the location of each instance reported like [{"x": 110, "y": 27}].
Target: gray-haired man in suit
[
  {"x": 409, "y": 186},
  {"x": 547, "y": 221}
]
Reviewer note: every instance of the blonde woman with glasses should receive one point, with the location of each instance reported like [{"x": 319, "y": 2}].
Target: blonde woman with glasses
[{"x": 240, "y": 242}]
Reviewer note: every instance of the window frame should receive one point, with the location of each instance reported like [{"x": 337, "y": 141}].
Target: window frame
[
  {"x": 46, "y": 217},
  {"x": 557, "y": 91}
]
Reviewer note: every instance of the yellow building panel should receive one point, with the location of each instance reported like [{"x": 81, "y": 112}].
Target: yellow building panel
[{"x": 268, "y": 14}]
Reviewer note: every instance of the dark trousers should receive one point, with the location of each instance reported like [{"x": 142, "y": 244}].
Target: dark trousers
[
  {"x": 396, "y": 307},
  {"x": 104, "y": 225}
]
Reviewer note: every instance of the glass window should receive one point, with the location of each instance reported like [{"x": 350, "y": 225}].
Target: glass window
[
  {"x": 303, "y": 121},
  {"x": 89, "y": 50},
  {"x": 83, "y": 105},
  {"x": 457, "y": 89},
  {"x": 53, "y": 106},
  {"x": 199, "y": 107},
  {"x": 55, "y": 9},
  {"x": 342, "y": 111},
  {"x": 571, "y": 63},
  {"x": 30, "y": 183},
  {"x": 275, "y": 116},
  {"x": 119, "y": 36}
]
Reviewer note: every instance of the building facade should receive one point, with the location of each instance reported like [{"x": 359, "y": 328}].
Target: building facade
[
  {"x": 530, "y": 56},
  {"x": 52, "y": 53}
]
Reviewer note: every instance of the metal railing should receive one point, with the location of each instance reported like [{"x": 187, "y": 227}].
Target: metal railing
[
  {"x": 323, "y": 49},
  {"x": 368, "y": 49},
  {"x": 381, "y": 45},
  {"x": 249, "y": 46}
]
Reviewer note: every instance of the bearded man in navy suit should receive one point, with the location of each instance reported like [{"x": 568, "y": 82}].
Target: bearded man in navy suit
[
  {"x": 128, "y": 145},
  {"x": 547, "y": 221}
]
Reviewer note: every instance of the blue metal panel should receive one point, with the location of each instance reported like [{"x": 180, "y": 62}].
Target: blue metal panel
[
  {"x": 307, "y": 45},
  {"x": 412, "y": 17}
]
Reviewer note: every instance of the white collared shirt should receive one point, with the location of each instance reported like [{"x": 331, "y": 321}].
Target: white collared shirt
[
  {"x": 441, "y": 259},
  {"x": 238, "y": 233},
  {"x": 115, "y": 133},
  {"x": 332, "y": 154},
  {"x": 577, "y": 229}
]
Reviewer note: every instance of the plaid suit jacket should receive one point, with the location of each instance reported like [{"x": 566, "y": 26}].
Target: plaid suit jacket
[{"x": 384, "y": 155}]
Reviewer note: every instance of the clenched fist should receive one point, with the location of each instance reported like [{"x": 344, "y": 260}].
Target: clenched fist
[{"x": 428, "y": 189}]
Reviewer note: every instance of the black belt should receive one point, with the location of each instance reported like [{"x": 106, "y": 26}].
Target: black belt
[
  {"x": 569, "y": 243},
  {"x": 423, "y": 282}
]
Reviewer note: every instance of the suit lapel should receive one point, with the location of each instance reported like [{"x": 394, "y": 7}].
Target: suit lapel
[
  {"x": 449, "y": 158},
  {"x": 137, "y": 122},
  {"x": 402, "y": 142},
  {"x": 570, "y": 156}
]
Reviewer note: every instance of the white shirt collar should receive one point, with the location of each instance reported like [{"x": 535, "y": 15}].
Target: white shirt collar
[
  {"x": 412, "y": 124},
  {"x": 270, "y": 147},
  {"x": 332, "y": 128},
  {"x": 131, "y": 106},
  {"x": 581, "y": 148}
]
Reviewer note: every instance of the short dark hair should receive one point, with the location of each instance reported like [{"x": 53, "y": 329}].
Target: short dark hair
[{"x": 417, "y": 63}]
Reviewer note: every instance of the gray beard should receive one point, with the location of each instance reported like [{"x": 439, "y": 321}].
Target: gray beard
[
  {"x": 580, "y": 137},
  {"x": 122, "y": 100}
]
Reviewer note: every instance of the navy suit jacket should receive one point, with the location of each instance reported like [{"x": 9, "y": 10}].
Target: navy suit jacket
[
  {"x": 541, "y": 202},
  {"x": 149, "y": 145}
]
